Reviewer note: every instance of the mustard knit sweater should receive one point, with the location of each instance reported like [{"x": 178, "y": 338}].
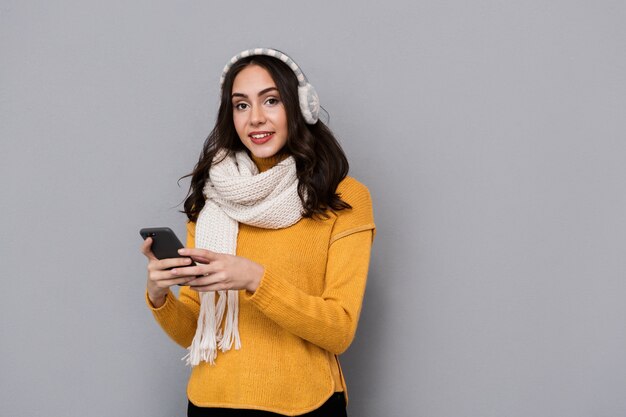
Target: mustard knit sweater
[{"x": 303, "y": 314}]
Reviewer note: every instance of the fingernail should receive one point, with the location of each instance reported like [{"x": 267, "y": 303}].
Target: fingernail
[{"x": 181, "y": 251}]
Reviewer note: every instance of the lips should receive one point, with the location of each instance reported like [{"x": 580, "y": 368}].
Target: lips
[{"x": 260, "y": 138}]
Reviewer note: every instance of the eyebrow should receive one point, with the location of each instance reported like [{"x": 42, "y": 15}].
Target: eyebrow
[{"x": 264, "y": 91}]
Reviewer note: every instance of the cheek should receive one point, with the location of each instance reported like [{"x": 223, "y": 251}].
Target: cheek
[
  {"x": 239, "y": 122},
  {"x": 280, "y": 117}
]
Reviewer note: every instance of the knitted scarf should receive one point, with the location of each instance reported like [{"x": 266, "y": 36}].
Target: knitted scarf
[{"x": 237, "y": 193}]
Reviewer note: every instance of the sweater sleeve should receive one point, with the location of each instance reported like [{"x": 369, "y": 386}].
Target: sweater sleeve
[
  {"x": 178, "y": 316},
  {"x": 329, "y": 320}
]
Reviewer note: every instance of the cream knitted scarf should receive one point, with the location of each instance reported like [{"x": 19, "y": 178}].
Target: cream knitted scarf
[{"x": 237, "y": 193}]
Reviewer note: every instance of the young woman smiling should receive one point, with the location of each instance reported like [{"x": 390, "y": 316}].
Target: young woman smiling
[{"x": 281, "y": 237}]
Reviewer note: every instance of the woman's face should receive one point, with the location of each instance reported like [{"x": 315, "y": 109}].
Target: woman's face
[{"x": 259, "y": 116}]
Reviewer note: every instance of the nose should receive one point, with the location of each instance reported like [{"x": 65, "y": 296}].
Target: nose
[{"x": 257, "y": 116}]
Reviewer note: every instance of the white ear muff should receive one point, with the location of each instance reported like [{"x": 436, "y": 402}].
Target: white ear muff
[{"x": 309, "y": 103}]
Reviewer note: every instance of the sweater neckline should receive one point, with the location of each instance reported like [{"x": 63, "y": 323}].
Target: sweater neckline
[{"x": 267, "y": 163}]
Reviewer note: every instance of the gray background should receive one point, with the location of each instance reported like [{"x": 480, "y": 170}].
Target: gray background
[{"x": 490, "y": 133}]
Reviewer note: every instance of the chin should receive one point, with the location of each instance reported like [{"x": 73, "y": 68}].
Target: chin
[{"x": 263, "y": 153}]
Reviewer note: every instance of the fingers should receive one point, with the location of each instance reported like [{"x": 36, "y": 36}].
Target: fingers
[
  {"x": 194, "y": 276},
  {"x": 164, "y": 273},
  {"x": 200, "y": 255},
  {"x": 213, "y": 282},
  {"x": 209, "y": 277},
  {"x": 166, "y": 283},
  {"x": 165, "y": 278},
  {"x": 169, "y": 263},
  {"x": 173, "y": 271},
  {"x": 215, "y": 272},
  {"x": 226, "y": 272},
  {"x": 146, "y": 248}
]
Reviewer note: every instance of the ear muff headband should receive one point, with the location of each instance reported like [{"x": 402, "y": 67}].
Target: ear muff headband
[{"x": 307, "y": 96}]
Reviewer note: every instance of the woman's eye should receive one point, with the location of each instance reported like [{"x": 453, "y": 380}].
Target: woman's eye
[
  {"x": 241, "y": 106},
  {"x": 272, "y": 101}
]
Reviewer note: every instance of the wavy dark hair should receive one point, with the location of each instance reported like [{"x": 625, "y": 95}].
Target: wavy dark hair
[{"x": 321, "y": 164}]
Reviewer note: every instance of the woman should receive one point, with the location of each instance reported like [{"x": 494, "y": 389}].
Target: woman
[{"x": 283, "y": 236}]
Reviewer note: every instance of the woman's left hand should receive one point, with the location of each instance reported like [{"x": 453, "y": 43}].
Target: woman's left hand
[{"x": 220, "y": 271}]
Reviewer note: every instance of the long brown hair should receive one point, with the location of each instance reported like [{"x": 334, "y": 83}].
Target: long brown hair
[{"x": 321, "y": 164}]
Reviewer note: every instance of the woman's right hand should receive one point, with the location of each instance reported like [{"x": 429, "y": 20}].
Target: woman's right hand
[{"x": 160, "y": 278}]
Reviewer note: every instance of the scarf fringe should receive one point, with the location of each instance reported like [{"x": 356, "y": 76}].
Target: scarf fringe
[
  {"x": 203, "y": 346},
  {"x": 209, "y": 335},
  {"x": 231, "y": 328}
]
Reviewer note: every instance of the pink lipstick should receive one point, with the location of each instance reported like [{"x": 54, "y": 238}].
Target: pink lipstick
[{"x": 259, "y": 138}]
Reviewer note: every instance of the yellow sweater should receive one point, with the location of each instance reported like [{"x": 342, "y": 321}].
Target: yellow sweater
[{"x": 303, "y": 314}]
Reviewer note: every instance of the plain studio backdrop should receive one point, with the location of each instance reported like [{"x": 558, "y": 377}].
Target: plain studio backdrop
[{"x": 490, "y": 134}]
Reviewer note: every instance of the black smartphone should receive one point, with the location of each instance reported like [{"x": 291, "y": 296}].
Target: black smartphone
[{"x": 165, "y": 243}]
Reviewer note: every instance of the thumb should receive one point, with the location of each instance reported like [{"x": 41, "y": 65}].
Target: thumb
[{"x": 146, "y": 249}]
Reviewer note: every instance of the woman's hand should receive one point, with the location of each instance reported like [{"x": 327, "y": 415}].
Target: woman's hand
[
  {"x": 220, "y": 271},
  {"x": 160, "y": 279}
]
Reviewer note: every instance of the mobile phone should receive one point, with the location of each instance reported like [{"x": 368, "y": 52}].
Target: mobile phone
[{"x": 165, "y": 243}]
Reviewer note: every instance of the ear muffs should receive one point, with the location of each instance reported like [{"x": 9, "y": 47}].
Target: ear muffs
[{"x": 307, "y": 96}]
